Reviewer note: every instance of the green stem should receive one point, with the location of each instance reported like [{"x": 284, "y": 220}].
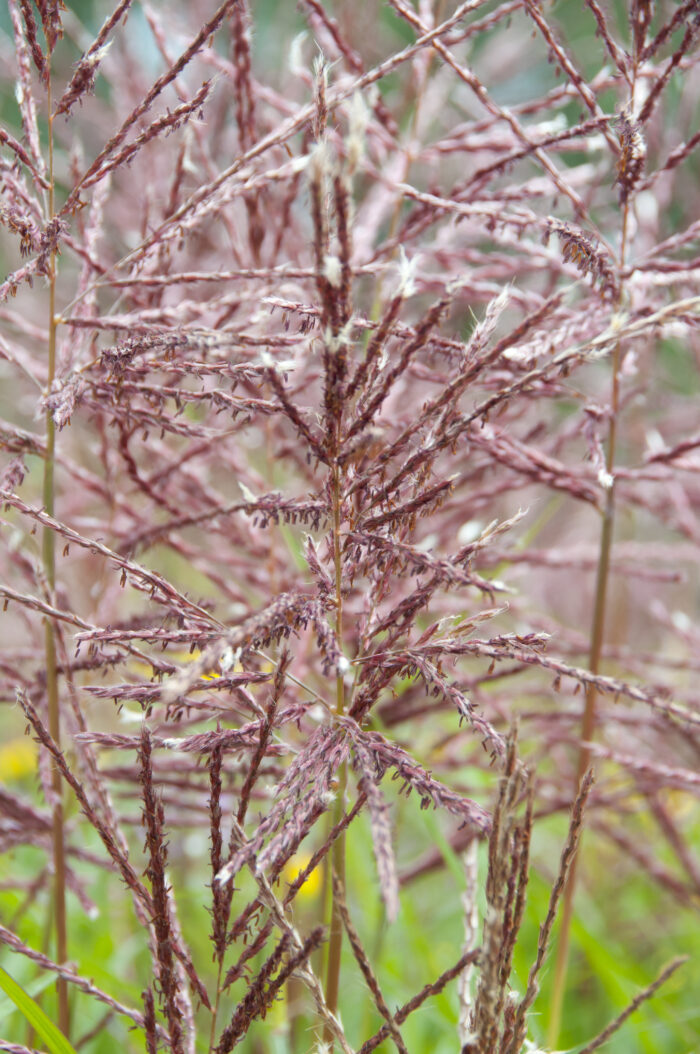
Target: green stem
[
  {"x": 587, "y": 731},
  {"x": 49, "y": 561},
  {"x": 408, "y": 161},
  {"x": 215, "y": 1011},
  {"x": 337, "y": 863},
  {"x": 588, "y": 724}
]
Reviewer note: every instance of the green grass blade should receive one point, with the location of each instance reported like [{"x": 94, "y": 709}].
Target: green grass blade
[{"x": 42, "y": 1025}]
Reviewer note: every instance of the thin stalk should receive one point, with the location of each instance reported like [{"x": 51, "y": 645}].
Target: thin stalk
[
  {"x": 588, "y": 724},
  {"x": 407, "y": 161},
  {"x": 215, "y": 1011},
  {"x": 337, "y": 863},
  {"x": 49, "y": 561}
]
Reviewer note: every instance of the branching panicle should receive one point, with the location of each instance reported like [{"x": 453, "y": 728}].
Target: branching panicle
[{"x": 320, "y": 473}]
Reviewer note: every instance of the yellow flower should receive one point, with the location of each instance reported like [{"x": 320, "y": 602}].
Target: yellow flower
[
  {"x": 680, "y": 803},
  {"x": 17, "y": 759},
  {"x": 182, "y": 658},
  {"x": 293, "y": 868}
]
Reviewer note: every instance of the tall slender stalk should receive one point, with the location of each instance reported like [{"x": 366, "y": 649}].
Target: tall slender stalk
[
  {"x": 49, "y": 561},
  {"x": 588, "y": 724},
  {"x": 217, "y": 1001},
  {"x": 337, "y": 863}
]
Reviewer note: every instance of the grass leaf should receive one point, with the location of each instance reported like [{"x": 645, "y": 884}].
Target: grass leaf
[{"x": 42, "y": 1025}]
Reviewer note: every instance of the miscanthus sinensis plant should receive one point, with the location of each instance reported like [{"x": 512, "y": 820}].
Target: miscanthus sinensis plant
[{"x": 349, "y": 420}]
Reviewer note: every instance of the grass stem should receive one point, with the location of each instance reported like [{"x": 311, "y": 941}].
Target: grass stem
[
  {"x": 337, "y": 862},
  {"x": 49, "y": 563},
  {"x": 588, "y": 724}
]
